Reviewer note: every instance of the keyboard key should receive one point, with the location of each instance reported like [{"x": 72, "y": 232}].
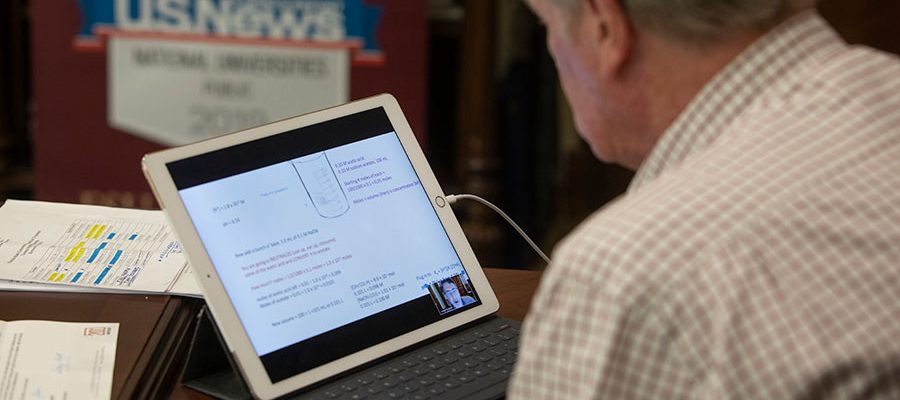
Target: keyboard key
[
  {"x": 347, "y": 387},
  {"x": 357, "y": 396},
  {"x": 484, "y": 357},
  {"x": 395, "y": 369},
  {"x": 388, "y": 383},
  {"x": 455, "y": 370},
  {"x": 440, "y": 376},
  {"x": 439, "y": 351},
  {"x": 409, "y": 363},
  {"x": 373, "y": 389},
  {"x": 449, "y": 385},
  {"x": 449, "y": 359},
  {"x": 435, "y": 390},
  {"x": 378, "y": 375},
  {"x": 410, "y": 387},
  {"x": 395, "y": 394},
  {"x": 425, "y": 382}
]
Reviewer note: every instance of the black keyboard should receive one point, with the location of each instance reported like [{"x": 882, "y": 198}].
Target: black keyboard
[{"x": 473, "y": 363}]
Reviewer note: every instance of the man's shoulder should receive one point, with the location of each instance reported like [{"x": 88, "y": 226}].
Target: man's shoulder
[
  {"x": 797, "y": 157},
  {"x": 648, "y": 239},
  {"x": 720, "y": 201}
]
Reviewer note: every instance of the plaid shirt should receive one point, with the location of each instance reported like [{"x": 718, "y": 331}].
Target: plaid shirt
[{"x": 756, "y": 254}]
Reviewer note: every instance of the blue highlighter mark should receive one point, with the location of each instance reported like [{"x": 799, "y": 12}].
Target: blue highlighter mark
[{"x": 102, "y": 275}]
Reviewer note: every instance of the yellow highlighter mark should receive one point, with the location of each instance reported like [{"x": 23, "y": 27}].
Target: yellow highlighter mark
[
  {"x": 60, "y": 277},
  {"x": 72, "y": 252},
  {"x": 53, "y": 277},
  {"x": 99, "y": 231},
  {"x": 91, "y": 232},
  {"x": 78, "y": 255}
]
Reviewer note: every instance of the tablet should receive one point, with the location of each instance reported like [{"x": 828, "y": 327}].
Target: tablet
[{"x": 321, "y": 242}]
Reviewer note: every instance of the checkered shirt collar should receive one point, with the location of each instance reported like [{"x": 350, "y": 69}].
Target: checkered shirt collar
[{"x": 771, "y": 63}]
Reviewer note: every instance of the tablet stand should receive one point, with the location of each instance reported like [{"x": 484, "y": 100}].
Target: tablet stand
[{"x": 210, "y": 368}]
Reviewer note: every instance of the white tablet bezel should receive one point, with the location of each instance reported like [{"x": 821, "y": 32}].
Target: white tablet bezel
[{"x": 229, "y": 324}]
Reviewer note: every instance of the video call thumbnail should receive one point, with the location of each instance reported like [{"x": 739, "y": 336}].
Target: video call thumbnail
[{"x": 452, "y": 293}]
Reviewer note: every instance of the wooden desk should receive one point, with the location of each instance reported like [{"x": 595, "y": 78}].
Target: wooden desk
[
  {"x": 514, "y": 289},
  {"x": 148, "y": 326}
]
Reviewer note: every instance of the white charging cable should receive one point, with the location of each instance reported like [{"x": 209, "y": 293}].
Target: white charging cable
[{"x": 452, "y": 198}]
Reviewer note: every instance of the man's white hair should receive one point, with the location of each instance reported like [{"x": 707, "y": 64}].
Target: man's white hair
[{"x": 703, "y": 21}]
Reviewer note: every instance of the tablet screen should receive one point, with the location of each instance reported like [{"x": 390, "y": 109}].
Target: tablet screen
[{"x": 324, "y": 239}]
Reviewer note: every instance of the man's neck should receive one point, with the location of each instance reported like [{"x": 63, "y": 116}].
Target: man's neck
[{"x": 671, "y": 74}]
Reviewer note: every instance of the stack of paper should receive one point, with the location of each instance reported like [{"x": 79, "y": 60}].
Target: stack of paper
[{"x": 69, "y": 247}]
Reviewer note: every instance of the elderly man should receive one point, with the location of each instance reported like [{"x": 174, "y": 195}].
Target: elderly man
[{"x": 757, "y": 252}]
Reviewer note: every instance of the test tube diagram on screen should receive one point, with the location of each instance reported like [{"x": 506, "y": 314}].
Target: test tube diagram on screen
[{"x": 321, "y": 184}]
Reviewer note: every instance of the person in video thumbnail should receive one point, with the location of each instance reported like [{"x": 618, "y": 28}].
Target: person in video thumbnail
[{"x": 452, "y": 296}]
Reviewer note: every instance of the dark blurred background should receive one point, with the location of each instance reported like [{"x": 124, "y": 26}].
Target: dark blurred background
[{"x": 497, "y": 124}]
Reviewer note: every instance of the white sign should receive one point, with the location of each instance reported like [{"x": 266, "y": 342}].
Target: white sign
[{"x": 176, "y": 92}]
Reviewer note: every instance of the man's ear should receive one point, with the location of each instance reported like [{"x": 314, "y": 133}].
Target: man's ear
[{"x": 615, "y": 34}]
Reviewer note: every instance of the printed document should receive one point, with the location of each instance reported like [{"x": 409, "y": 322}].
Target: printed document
[
  {"x": 91, "y": 247},
  {"x": 56, "y": 360}
]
